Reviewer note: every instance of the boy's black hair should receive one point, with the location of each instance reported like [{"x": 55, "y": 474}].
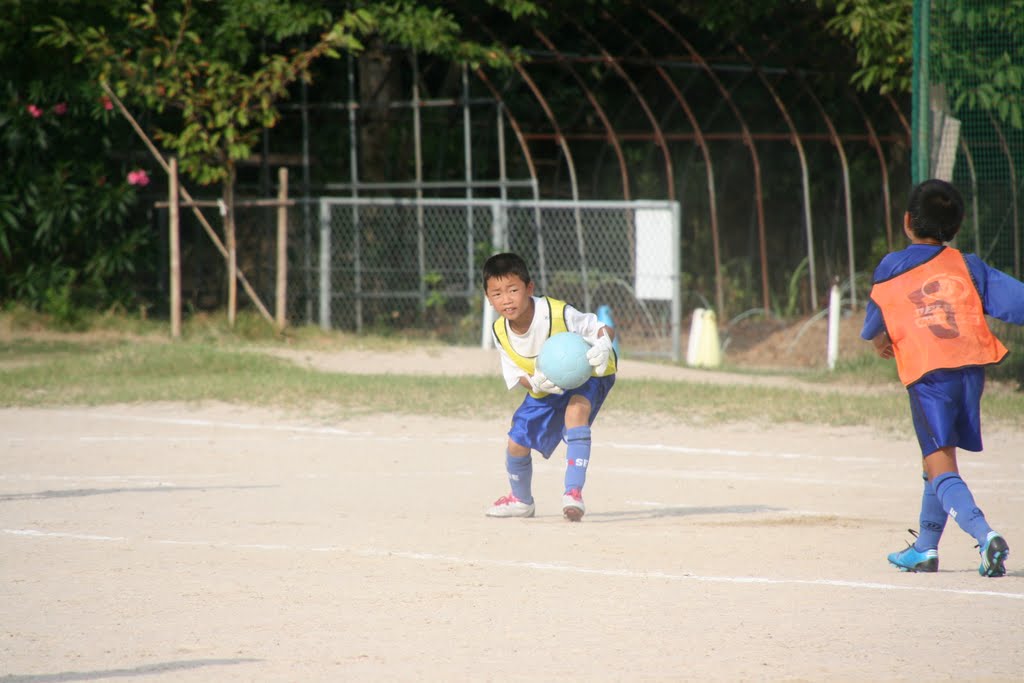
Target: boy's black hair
[
  {"x": 936, "y": 210},
  {"x": 502, "y": 265}
]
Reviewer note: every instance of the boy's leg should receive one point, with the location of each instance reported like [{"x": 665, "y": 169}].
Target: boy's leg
[
  {"x": 577, "y": 456},
  {"x": 932, "y": 519},
  {"x": 956, "y": 499},
  {"x": 923, "y": 555},
  {"x": 953, "y": 494},
  {"x": 582, "y": 408},
  {"x": 536, "y": 426},
  {"x": 519, "y": 465},
  {"x": 946, "y": 409},
  {"x": 577, "y": 439}
]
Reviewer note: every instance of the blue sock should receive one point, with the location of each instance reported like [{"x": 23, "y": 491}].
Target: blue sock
[
  {"x": 577, "y": 457},
  {"x": 520, "y": 476},
  {"x": 933, "y": 520},
  {"x": 956, "y": 499}
]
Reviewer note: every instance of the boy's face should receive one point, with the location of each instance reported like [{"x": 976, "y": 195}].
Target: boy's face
[{"x": 511, "y": 298}]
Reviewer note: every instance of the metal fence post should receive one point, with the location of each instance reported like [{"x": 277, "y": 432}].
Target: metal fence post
[
  {"x": 499, "y": 243},
  {"x": 677, "y": 269},
  {"x": 325, "y": 265}
]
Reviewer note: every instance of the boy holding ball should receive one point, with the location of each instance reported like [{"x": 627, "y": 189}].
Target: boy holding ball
[{"x": 548, "y": 414}]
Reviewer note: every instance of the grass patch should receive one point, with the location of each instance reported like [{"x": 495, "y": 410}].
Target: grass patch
[
  {"x": 86, "y": 373},
  {"x": 123, "y": 362},
  {"x": 194, "y": 372}
]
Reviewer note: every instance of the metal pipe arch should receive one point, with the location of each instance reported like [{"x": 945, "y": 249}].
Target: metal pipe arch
[
  {"x": 702, "y": 144},
  {"x": 838, "y": 143},
  {"x": 612, "y": 134},
  {"x": 747, "y": 140},
  {"x": 804, "y": 173},
  {"x": 659, "y": 136}
]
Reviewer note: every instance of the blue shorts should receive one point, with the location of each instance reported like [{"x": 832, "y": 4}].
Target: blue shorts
[
  {"x": 539, "y": 423},
  {"x": 946, "y": 408}
]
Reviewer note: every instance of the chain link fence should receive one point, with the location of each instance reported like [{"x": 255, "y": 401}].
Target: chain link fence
[
  {"x": 388, "y": 265},
  {"x": 969, "y": 127}
]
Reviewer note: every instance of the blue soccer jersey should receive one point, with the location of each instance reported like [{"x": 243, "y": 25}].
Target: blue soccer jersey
[
  {"x": 946, "y": 404},
  {"x": 1002, "y": 296}
]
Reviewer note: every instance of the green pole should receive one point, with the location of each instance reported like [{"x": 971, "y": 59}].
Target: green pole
[{"x": 921, "y": 144}]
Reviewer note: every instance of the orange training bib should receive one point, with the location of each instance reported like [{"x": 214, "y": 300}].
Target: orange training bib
[{"x": 935, "y": 318}]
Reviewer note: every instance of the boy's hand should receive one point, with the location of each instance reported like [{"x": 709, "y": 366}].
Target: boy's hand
[
  {"x": 883, "y": 345},
  {"x": 599, "y": 353},
  {"x": 541, "y": 384}
]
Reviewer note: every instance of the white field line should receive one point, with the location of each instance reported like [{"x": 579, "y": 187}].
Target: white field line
[
  {"x": 299, "y": 431},
  {"x": 145, "y": 479},
  {"x": 535, "y": 566}
]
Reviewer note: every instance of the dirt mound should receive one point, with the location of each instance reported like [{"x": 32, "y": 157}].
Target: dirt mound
[{"x": 802, "y": 344}]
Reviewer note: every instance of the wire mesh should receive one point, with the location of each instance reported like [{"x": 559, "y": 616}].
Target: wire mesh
[
  {"x": 975, "y": 74},
  {"x": 388, "y": 265}
]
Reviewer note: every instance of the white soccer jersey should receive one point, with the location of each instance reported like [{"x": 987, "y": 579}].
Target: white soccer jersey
[{"x": 586, "y": 325}]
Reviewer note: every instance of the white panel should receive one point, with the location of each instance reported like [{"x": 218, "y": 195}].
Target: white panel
[{"x": 654, "y": 276}]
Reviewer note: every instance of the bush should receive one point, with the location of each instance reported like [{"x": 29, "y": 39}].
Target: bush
[{"x": 72, "y": 232}]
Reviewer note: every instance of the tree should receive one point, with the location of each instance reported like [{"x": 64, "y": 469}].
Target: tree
[
  {"x": 881, "y": 32},
  {"x": 425, "y": 30},
  {"x": 201, "y": 68},
  {"x": 977, "y": 50},
  {"x": 70, "y": 232},
  {"x": 195, "y": 64}
]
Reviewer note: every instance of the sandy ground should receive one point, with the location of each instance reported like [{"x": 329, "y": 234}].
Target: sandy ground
[{"x": 221, "y": 543}]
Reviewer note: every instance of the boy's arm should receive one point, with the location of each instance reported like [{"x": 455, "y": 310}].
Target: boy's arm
[
  {"x": 874, "y": 331},
  {"x": 874, "y": 324},
  {"x": 882, "y": 344},
  {"x": 600, "y": 352},
  {"x": 511, "y": 373},
  {"x": 587, "y": 325},
  {"x": 1003, "y": 296},
  {"x": 515, "y": 376}
]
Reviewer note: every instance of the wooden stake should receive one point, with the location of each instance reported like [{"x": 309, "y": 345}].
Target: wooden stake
[
  {"x": 282, "y": 247},
  {"x": 175, "y": 249},
  {"x": 188, "y": 198},
  {"x": 232, "y": 247}
]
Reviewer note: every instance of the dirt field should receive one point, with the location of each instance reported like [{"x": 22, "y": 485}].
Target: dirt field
[{"x": 220, "y": 543}]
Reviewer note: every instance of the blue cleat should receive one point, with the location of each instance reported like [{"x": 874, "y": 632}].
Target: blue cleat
[
  {"x": 993, "y": 555},
  {"x": 913, "y": 560}
]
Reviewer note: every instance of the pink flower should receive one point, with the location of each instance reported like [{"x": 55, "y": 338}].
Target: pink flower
[
  {"x": 60, "y": 108},
  {"x": 138, "y": 177},
  {"x": 34, "y": 111},
  {"x": 107, "y": 104}
]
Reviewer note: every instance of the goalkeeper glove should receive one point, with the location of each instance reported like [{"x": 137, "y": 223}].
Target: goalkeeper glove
[
  {"x": 599, "y": 354},
  {"x": 540, "y": 384}
]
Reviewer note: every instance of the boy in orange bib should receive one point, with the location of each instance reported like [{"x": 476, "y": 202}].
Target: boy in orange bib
[{"x": 927, "y": 310}]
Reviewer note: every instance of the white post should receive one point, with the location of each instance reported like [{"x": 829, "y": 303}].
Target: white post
[
  {"x": 693, "y": 343},
  {"x": 834, "y": 304},
  {"x": 709, "y": 350},
  {"x": 677, "y": 269},
  {"x": 486, "y": 338},
  {"x": 498, "y": 240}
]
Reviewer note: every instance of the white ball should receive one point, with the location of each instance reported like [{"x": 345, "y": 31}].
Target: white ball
[{"x": 563, "y": 359}]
